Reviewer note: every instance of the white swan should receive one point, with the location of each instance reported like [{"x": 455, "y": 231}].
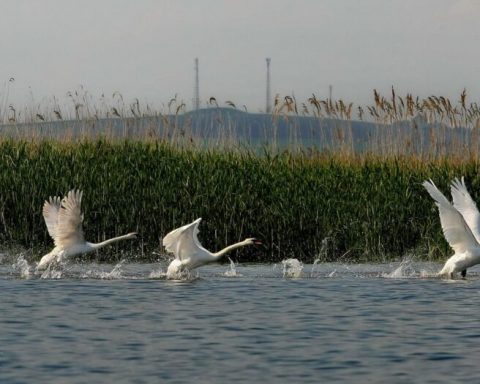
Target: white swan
[
  {"x": 461, "y": 226},
  {"x": 189, "y": 253},
  {"x": 64, "y": 223}
]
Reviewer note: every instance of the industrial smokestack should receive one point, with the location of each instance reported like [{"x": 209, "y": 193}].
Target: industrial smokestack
[
  {"x": 268, "y": 107},
  {"x": 196, "y": 88}
]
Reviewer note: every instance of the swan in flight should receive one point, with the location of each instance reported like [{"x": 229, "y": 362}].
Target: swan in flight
[
  {"x": 64, "y": 218},
  {"x": 461, "y": 226},
  {"x": 189, "y": 253}
]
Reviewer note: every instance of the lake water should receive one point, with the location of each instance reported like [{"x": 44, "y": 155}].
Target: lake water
[{"x": 377, "y": 323}]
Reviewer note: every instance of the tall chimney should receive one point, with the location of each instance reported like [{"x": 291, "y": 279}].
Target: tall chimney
[
  {"x": 268, "y": 107},
  {"x": 196, "y": 88}
]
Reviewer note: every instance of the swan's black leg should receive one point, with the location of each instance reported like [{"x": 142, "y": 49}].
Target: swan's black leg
[{"x": 464, "y": 273}]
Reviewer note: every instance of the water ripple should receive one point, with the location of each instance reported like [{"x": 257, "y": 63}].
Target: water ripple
[{"x": 356, "y": 325}]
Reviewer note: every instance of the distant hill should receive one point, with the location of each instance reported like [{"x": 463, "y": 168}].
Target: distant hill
[{"x": 232, "y": 126}]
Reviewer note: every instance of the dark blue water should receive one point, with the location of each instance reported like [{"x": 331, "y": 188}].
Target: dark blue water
[{"x": 335, "y": 324}]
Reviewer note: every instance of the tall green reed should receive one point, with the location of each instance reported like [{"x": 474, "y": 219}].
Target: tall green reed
[{"x": 362, "y": 207}]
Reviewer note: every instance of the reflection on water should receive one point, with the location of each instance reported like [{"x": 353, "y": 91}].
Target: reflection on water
[{"x": 126, "y": 323}]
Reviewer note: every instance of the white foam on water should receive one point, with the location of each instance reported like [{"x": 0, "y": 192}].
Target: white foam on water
[
  {"x": 185, "y": 276},
  {"x": 115, "y": 273},
  {"x": 53, "y": 271},
  {"x": 404, "y": 271},
  {"x": 22, "y": 267},
  {"x": 232, "y": 270},
  {"x": 157, "y": 274},
  {"x": 292, "y": 268},
  {"x": 426, "y": 274}
]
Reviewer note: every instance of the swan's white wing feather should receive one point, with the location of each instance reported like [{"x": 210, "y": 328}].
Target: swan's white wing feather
[
  {"x": 69, "y": 229},
  {"x": 455, "y": 229},
  {"x": 464, "y": 203},
  {"x": 50, "y": 214},
  {"x": 183, "y": 241}
]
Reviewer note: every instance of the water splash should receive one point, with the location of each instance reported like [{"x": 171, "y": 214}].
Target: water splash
[
  {"x": 404, "y": 270},
  {"x": 53, "y": 271},
  {"x": 232, "y": 271},
  {"x": 333, "y": 273},
  {"x": 312, "y": 272},
  {"x": 22, "y": 267},
  {"x": 115, "y": 273},
  {"x": 323, "y": 253},
  {"x": 427, "y": 274},
  {"x": 157, "y": 274},
  {"x": 292, "y": 268},
  {"x": 185, "y": 275}
]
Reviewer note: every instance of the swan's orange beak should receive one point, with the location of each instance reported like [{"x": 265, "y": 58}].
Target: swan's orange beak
[{"x": 257, "y": 242}]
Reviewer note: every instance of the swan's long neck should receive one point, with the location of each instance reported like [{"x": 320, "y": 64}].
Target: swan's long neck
[
  {"x": 110, "y": 241},
  {"x": 230, "y": 248}
]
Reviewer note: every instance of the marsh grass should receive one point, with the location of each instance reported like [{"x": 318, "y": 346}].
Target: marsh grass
[
  {"x": 430, "y": 127},
  {"x": 367, "y": 207},
  {"x": 327, "y": 200}
]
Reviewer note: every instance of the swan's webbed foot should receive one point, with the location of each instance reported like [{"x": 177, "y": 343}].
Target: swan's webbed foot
[{"x": 464, "y": 273}]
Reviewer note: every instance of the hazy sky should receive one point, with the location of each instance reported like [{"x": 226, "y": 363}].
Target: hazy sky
[{"x": 146, "y": 48}]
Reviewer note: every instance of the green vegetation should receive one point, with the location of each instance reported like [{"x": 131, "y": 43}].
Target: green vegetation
[{"x": 308, "y": 206}]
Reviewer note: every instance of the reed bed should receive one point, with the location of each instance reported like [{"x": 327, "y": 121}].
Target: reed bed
[
  {"x": 80, "y": 104},
  {"x": 433, "y": 126},
  {"x": 315, "y": 193},
  {"x": 304, "y": 205}
]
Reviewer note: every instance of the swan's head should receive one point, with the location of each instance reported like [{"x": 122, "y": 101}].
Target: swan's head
[
  {"x": 132, "y": 235},
  {"x": 253, "y": 241}
]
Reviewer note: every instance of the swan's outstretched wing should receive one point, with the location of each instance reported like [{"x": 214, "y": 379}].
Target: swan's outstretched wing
[
  {"x": 69, "y": 229},
  {"x": 50, "y": 214},
  {"x": 183, "y": 242},
  {"x": 455, "y": 229},
  {"x": 464, "y": 203}
]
